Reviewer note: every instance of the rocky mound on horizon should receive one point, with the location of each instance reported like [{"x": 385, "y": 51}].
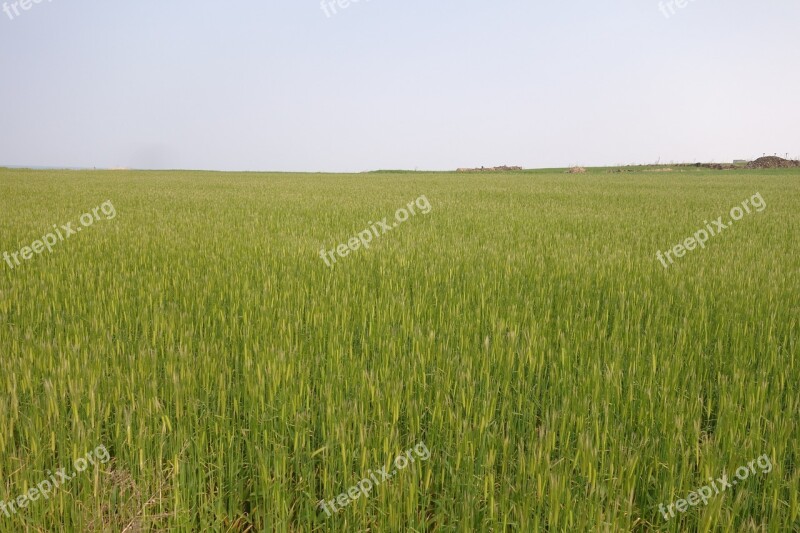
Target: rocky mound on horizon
[{"x": 772, "y": 161}]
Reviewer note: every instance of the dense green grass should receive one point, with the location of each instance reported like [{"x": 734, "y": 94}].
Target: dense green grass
[{"x": 561, "y": 378}]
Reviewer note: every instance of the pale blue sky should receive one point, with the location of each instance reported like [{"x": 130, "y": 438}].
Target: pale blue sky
[{"x": 278, "y": 85}]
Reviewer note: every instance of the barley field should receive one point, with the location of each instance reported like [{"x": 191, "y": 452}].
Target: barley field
[{"x": 523, "y": 331}]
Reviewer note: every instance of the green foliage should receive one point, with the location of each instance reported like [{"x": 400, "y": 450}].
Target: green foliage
[{"x": 562, "y": 379}]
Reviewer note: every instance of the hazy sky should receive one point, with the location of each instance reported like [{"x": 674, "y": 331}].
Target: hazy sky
[{"x": 380, "y": 84}]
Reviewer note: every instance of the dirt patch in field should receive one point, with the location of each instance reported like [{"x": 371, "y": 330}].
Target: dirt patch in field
[
  {"x": 773, "y": 162},
  {"x": 717, "y": 166},
  {"x": 576, "y": 170}
]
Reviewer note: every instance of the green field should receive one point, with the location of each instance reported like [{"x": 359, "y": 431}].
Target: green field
[{"x": 523, "y": 330}]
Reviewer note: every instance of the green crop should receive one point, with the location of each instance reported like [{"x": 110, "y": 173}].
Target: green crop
[{"x": 561, "y": 377}]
